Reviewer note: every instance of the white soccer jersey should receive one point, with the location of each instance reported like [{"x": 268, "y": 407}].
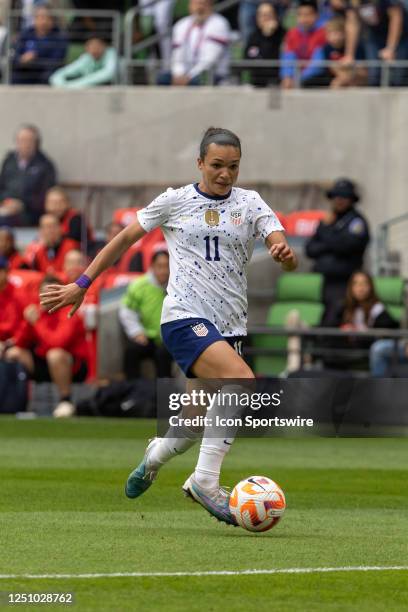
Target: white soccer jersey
[
  {"x": 198, "y": 47},
  {"x": 210, "y": 241}
]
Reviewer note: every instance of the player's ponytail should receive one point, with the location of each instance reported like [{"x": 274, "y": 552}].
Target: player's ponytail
[{"x": 219, "y": 136}]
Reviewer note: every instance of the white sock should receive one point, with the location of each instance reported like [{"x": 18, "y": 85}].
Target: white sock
[
  {"x": 213, "y": 449},
  {"x": 170, "y": 445}
]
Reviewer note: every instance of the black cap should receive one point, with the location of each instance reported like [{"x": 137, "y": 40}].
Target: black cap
[{"x": 343, "y": 188}]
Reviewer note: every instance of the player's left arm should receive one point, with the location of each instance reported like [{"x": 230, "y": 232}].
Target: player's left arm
[{"x": 281, "y": 252}]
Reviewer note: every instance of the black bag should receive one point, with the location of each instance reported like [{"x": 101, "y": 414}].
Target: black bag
[
  {"x": 13, "y": 388},
  {"x": 135, "y": 398}
]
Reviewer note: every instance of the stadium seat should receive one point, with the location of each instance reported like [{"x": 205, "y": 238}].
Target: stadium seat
[
  {"x": 303, "y": 222},
  {"x": 300, "y": 292},
  {"x": 390, "y": 290},
  {"x": 125, "y": 216}
]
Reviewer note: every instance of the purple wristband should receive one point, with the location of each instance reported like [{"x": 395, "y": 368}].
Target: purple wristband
[{"x": 84, "y": 282}]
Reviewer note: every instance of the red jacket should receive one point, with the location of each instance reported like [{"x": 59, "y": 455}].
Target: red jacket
[
  {"x": 71, "y": 225},
  {"x": 302, "y": 44},
  {"x": 16, "y": 261},
  {"x": 54, "y": 331},
  {"x": 11, "y": 312},
  {"x": 47, "y": 264}
]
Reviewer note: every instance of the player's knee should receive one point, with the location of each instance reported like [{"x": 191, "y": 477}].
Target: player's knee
[{"x": 13, "y": 353}]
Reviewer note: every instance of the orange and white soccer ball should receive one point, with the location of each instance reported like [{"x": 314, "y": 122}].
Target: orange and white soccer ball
[{"x": 257, "y": 503}]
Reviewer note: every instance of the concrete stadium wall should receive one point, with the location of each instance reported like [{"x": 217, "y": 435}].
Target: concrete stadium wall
[{"x": 123, "y": 136}]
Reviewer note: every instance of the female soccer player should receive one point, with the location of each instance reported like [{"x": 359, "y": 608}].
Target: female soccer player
[{"x": 210, "y": 228}]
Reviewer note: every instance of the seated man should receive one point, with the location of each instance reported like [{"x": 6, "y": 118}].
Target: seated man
[
  {"x": 11, "y": 308},
  {"x": 301, "y": 42},
  {"x": 8, "y": 249},
  {"x": 72, "y": 221},
  {"x": 140, "y": 314},
  {"x": 49, "y": 256},
  {"x": 200, "y": 44},
  {"x": 97, "y": 66},
  {"x": 26, "y": 175},
  {"x": 39, "y": 51},
  {"x": 52, "y": 348}
]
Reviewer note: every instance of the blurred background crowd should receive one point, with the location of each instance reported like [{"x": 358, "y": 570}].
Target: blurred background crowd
[
  {"x": 332, "y": 292},
  {"x": 285, "y": 43}
]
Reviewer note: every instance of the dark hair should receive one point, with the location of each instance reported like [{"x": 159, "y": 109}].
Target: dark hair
[
  {"x": 311, "y": 3},
  {"x": 219, "y": 136},
  {"x": 351, "y": 303},
  {"x": 158, "y": 254}
]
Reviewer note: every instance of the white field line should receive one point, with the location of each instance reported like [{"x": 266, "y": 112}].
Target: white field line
[{"x": 248, "y": 572}]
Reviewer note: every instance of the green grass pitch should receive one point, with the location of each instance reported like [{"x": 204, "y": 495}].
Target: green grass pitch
[{"x": 63, "y": 511}]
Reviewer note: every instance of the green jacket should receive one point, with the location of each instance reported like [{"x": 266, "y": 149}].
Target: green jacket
[
  {"x": 87, "y": 72},
  {"x": 144, "y": 297}
]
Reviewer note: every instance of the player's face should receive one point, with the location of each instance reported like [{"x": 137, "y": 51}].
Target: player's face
[
  {"x": 360, "y": 288},
  {"x": 219, "y": 169}
]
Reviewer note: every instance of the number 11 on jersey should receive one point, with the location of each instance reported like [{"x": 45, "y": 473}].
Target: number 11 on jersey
[{"x": 208, "y": 249}]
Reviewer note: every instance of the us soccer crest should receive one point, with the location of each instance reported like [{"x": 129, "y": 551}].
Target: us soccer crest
[
  {"x": 236, "y": 217},
  {"x": 212, "y": 217},
  {"x": 200, "y": 329}
]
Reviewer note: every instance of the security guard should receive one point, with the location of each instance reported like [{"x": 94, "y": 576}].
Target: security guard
[{"x": 339, "y": 243}]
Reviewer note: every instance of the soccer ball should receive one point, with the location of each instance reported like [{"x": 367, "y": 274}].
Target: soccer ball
[{"x": 257, "y": 503}]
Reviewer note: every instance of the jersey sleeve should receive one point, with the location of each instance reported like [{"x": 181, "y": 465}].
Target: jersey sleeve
[
  {"x": 265, "y": 219},
  {"x": 157, "y": 212}
]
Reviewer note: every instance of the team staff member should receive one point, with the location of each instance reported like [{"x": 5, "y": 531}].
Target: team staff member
[
  {"x": 8, "y": 249},
  {"x": 339, "y": 244},
  {"x": 52, "y": 348},
  {"x": 50, "y": 255},
  {"x": 72, "y": 221},
  {"x": 140, "y": 314},
  {"x": 10, "y": 307}
]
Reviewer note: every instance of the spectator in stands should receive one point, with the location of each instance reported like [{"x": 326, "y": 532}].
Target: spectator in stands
[
  {"x": 8, "y": 249},
  {"x": 49, "y": 256},
  {"x": 339, "y": 243},
  {"x": 265, "y": 43},
  {"x": 97, "y": 66},
  {"x": 161, "y": 12},
  {"x": 343, "y": 74},
  {"x": 200, "y": 45},
  {"x": 385, "y": 354},
  {"x": 39, "y": 50},
  {"x": 140, "y": 314},
  {"x": 360, "y": 310},
  {"x": 26, "y": 175},
  {"x": 10, "y": 307},
  {"x": 52, "y": 348},
  {"x": 72, "y": 221},
  {"x": 384, "y": 36},
  {"x": 300, "y": 43},
  {"x": 343, "y": 9}
]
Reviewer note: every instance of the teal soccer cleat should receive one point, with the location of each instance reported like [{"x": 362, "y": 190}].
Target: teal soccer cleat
[
  {"x": 143, "y": 476},
  {"x": 215, "y": 502}
]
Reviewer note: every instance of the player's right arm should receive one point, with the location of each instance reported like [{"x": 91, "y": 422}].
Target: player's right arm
[{"x": 55, "y": 297}]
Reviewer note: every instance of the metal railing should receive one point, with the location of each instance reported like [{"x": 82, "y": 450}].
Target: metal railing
[
  {"x": 114, "y": 32},
  {"x": 390, "y": 235},
  {"x": 309, "y": 340}
]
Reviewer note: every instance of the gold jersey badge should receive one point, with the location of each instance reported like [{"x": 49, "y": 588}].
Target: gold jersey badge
[{"x": 212, "y": 217}]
